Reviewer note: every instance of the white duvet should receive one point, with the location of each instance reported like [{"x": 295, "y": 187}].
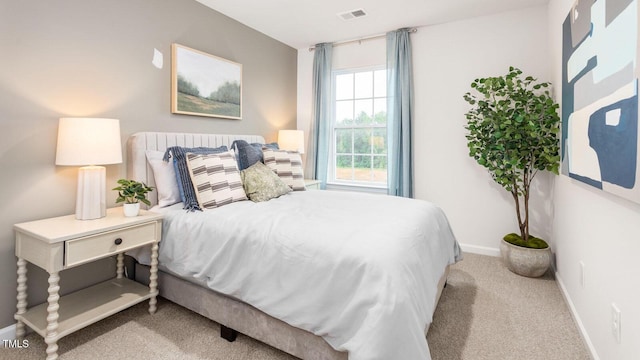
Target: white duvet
[{"x": 359, "y": 270}]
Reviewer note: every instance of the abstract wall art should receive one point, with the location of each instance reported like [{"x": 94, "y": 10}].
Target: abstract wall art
[{"x": 600, "y": 139}]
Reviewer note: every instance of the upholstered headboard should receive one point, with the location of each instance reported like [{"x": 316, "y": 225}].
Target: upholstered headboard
[{"x": 137, "y": 166}]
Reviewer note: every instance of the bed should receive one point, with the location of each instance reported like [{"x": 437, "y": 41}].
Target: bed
[{"x": 276, "y": 272}]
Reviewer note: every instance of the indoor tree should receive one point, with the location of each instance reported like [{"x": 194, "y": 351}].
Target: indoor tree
[{"x": 513, "y": 130}]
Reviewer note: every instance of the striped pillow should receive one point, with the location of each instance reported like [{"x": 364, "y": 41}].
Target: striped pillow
[
  {"x": 216, "y": 179},
  {"x": 185, "y": 187},
  {"x": 287, "y": 165}
]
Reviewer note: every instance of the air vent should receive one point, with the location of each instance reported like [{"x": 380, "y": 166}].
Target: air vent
[{"x": 352, "y": 14}]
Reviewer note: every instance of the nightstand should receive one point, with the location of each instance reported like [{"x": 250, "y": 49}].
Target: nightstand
[
  {"x": 312, "y": 184},
  {"x": 61, "y": 243}
]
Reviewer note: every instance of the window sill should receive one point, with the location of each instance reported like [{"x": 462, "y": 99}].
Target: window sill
[{"x": 357, "y": 187}]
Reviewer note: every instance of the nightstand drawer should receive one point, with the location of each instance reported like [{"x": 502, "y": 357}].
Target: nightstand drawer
[{"x": 89, "y": 248}]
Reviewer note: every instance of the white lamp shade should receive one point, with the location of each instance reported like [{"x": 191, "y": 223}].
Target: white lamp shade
[
  {"x": 292, "y": 140},
  {"x": 88, "y": 141}
]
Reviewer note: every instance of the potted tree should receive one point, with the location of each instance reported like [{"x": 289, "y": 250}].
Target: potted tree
[
  {"x": 132, "y": 192},
  {"x": 513, "y": 130}
]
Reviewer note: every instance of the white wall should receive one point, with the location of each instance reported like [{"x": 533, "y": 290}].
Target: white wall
[
  {"x": 446, "y": 59},
  {"x": 602, "y": 231},
  {"x": 581, "y": 222}
]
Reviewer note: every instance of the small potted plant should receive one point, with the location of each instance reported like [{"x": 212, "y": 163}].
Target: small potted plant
[
  {"x": 513, "y": 132},
  {"x": 132, "y": 192}
]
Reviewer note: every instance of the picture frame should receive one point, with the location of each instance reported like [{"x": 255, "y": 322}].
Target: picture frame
[{"x": 205, "y": 85}]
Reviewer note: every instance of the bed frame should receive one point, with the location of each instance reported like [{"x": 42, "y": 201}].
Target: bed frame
[{"x": 232, "y": 314}]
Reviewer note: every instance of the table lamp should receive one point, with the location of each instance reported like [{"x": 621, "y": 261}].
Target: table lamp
[
  {"x": 89, "y": 142},
  {"x": 292, "y": 140}
]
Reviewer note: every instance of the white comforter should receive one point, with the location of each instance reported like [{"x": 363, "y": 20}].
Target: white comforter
[{"x": 359, "y": 270}]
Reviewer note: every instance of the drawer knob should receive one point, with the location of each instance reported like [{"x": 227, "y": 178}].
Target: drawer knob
[{"x": 118, "y": 241}]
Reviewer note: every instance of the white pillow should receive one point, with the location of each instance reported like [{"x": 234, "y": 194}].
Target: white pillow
[
  {"x": 287, "y": 165},
  {"x": 165, "y": 175},
  {"x": 215, "y": 179}
]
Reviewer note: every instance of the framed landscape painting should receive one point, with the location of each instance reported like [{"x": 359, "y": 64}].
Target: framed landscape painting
[{"x": 205, "y": 85}]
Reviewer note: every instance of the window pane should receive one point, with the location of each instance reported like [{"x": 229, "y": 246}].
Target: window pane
[
  {"x": 379, "y": 141},
  {"x": 343, "y": 141},
  {"x": 359, "y": 149},
  {"x": 362, "y": 141},
  {"x": 380, "y": 83},
  {"x": 380, "y": 162},
  {"x": 363, "y": 111},
  {"x": 344, "y": 86},
  {"x": 344, "y": 164},
  {"x": 362, "y": 162},
  {"x": 380, "y": 169},
  {"x": 380, "y": 111},
  {"x": 364, "y": 85},
  {"x": 362, "y": 168},
  {"x": 344, "y": 112}
]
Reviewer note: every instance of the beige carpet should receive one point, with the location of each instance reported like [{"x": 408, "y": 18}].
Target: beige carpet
[{"x": 485, "y": 312}]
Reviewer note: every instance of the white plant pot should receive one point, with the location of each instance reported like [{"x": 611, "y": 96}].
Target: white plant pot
[
  {"x": 524, "y": 261},
  {"x": 131, "y": 209}
]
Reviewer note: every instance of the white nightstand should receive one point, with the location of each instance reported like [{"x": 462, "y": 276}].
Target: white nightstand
[
  {"x": 311, "y": 184},
  {"x": 63, "y": 242}
]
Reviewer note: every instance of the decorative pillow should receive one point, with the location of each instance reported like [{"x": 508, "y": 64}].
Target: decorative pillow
[
  {"x": 216, "y": 179},
  {"x": 179, "y": 155},
  {"x": 287, "y": 165},
  {"x": 165, "y": 178},
  {"x": 262, "y": 184},
  {"x": 249, "y": 154}
]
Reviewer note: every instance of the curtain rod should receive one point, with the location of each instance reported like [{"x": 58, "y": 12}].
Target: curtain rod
[{"x": 359, "y": 40}]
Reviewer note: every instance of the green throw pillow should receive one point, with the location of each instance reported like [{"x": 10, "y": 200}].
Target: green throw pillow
[{"x": 261, "y": 183}]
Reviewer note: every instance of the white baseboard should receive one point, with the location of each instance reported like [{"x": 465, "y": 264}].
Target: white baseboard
[
  {"x": 8, "y": 333},
  {"x": 576, "y": 318},
  {"x": 482, "y": 250}
]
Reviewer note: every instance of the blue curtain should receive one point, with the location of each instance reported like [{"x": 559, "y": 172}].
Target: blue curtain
[
  {"x": 399, "y": 113},
  {"x": 321, "y": 121}
]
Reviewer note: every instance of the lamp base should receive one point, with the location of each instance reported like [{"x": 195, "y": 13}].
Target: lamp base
[{"x": 91, "y": 200}]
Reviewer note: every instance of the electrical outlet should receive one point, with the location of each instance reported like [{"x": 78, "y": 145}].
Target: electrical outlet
[
  {"x": 615, "y": 322},
  {"x": 582, "y": 278}
]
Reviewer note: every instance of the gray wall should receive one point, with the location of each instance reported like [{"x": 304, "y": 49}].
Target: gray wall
[{"x": 93, "y": 58}]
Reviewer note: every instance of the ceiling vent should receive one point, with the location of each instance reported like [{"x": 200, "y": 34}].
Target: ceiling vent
[{"x": 352, "y": 14}]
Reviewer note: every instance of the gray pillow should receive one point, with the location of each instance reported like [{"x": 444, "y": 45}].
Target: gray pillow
[
  {"x": 249, "y": 154},
  {"x": 262, "y": 184}
]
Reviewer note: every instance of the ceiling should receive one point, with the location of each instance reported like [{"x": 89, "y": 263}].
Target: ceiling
[{"x": 301, "y": 23}]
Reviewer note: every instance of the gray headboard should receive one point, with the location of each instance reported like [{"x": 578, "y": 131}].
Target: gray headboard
[{"x": 137, "y": 166}]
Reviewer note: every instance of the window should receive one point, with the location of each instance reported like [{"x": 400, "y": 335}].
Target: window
[{"x": 359, "y": 127}]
